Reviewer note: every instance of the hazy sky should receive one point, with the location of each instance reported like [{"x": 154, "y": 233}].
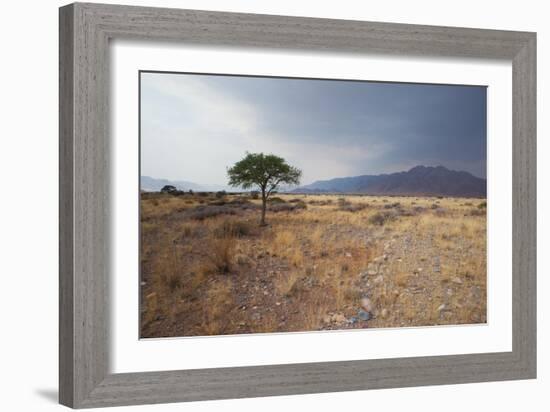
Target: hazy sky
[{"x": 195, "y": 126}]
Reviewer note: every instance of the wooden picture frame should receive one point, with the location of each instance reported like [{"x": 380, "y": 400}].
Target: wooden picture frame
[{"x": 85, "y": 31}]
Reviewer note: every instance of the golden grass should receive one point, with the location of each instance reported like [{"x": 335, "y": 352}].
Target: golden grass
[{"x": 206, "y": 276}]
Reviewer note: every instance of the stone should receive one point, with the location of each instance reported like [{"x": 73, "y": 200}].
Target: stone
[
  {"x": 348, "y": 255},
  {"x": 338, "y": 318},
  {"x": 441, "y": 308},
  {"x": 384, "y": 313},
  {"x": 378, "y": 279},
  {"x": 366, "y": 304},
  {"x": 353, "y": 320},
  {"x": 363, "y": 315},
  {"x": 475, "y": 292},
  {"x": 327, "y": 319},
  {"x": 457, "y": 280}
]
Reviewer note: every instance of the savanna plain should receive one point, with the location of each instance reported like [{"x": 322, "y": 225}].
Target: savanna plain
[{"x": 323, "y": 262}]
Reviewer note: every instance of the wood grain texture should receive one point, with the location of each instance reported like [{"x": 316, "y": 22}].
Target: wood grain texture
[{"x": 85, "y": 31}]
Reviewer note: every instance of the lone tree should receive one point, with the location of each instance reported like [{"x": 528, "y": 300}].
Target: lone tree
[{"x": 266, "y": 172}]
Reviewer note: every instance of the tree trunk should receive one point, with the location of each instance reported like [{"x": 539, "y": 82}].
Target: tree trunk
[{"x": 264, "y": 205}]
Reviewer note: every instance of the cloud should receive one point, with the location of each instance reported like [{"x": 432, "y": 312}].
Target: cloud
[{"x": 195, "y": 126}]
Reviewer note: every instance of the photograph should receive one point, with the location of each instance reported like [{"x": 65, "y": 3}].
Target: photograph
[{"x": 280, "y": 204}]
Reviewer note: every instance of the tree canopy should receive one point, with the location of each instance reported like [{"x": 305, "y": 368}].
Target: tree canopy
[{"x": 265, "y": 172}]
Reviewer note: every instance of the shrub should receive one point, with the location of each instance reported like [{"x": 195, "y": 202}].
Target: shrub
[
  {"x": 168, "y": 189},
  {"x": 220, "y": 194},
  {"x": 392, "y": 205},
  {"x": 287, "y": 207},
  {"x": 234, "y": 228},
  {"x": 352, "y": 207},
  {"x": 380, "y": 218},
  {"x": 477, "y": 212},
  {"x": 204, "y": 212},
  {"x": 482, "y": 205},
  {"x": 320, "y": 202},
  {"x": 342, "y": 201},
  {"x": 274, "y": 200},
  {"x": 220, "y": 254}
]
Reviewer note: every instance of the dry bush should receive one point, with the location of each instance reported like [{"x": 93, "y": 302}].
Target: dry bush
[
  {"x": 204, "y": 212},
  {"x": 351, "y": 207},
  {"x": 342, "y": 201},
  {"x": 283, "y": 240},
  {"x": 275, "y": 199},
  {"x": 218, "y": 202},
  {"x": 401, "y": 279},
  {"x": 392, "y": 205},
  {"x": 312, "y": 313},
  {"x": 220, "y": 254},
  {"x": 296, "y": 258},
  {"x": 288, "y": 284},
  {"x": 286, "y": 207},
  {"x": 219, "y": 302},
  {"x": 477, "y": 212},
  {"x": 380, "y": 218},
  {"x": 320, "y": 202},
  {"x": 235, "y": 228}
]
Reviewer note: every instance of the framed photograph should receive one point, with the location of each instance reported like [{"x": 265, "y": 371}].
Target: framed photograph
[{"x": 257, "y": 205}]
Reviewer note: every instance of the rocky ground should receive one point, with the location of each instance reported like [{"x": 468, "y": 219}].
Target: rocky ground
[{"x": 323, "y": 267}]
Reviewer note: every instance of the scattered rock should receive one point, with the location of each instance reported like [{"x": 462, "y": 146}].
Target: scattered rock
[
  {"x": 338, "y": 318},
  {"x": 475, "y": 291},
  {"x": 363, "y": 315},
  {"x": 366, "y": 304},
  {"x": 353, "y": 320}
]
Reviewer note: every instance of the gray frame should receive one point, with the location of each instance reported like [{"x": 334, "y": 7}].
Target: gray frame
[{"x": 85, "y": 30}]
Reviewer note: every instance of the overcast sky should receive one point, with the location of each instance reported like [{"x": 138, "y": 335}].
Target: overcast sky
[{"x": 195, "y": 126}]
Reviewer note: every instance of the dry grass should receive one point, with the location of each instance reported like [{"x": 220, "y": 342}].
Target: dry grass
[{"x": 207, "y": 267}]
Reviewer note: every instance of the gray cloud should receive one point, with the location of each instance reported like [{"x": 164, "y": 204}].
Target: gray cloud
[{"x": 194, "y": 126}]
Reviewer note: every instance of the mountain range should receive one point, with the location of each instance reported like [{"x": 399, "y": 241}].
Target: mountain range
[
  {"x": 151, "y": 184},
  {"x": 420, "y": 180}
]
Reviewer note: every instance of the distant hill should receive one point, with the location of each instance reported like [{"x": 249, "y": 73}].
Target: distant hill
[
  {"x": 151, "y": 184},
  {"x": 420, "y": 180}
]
